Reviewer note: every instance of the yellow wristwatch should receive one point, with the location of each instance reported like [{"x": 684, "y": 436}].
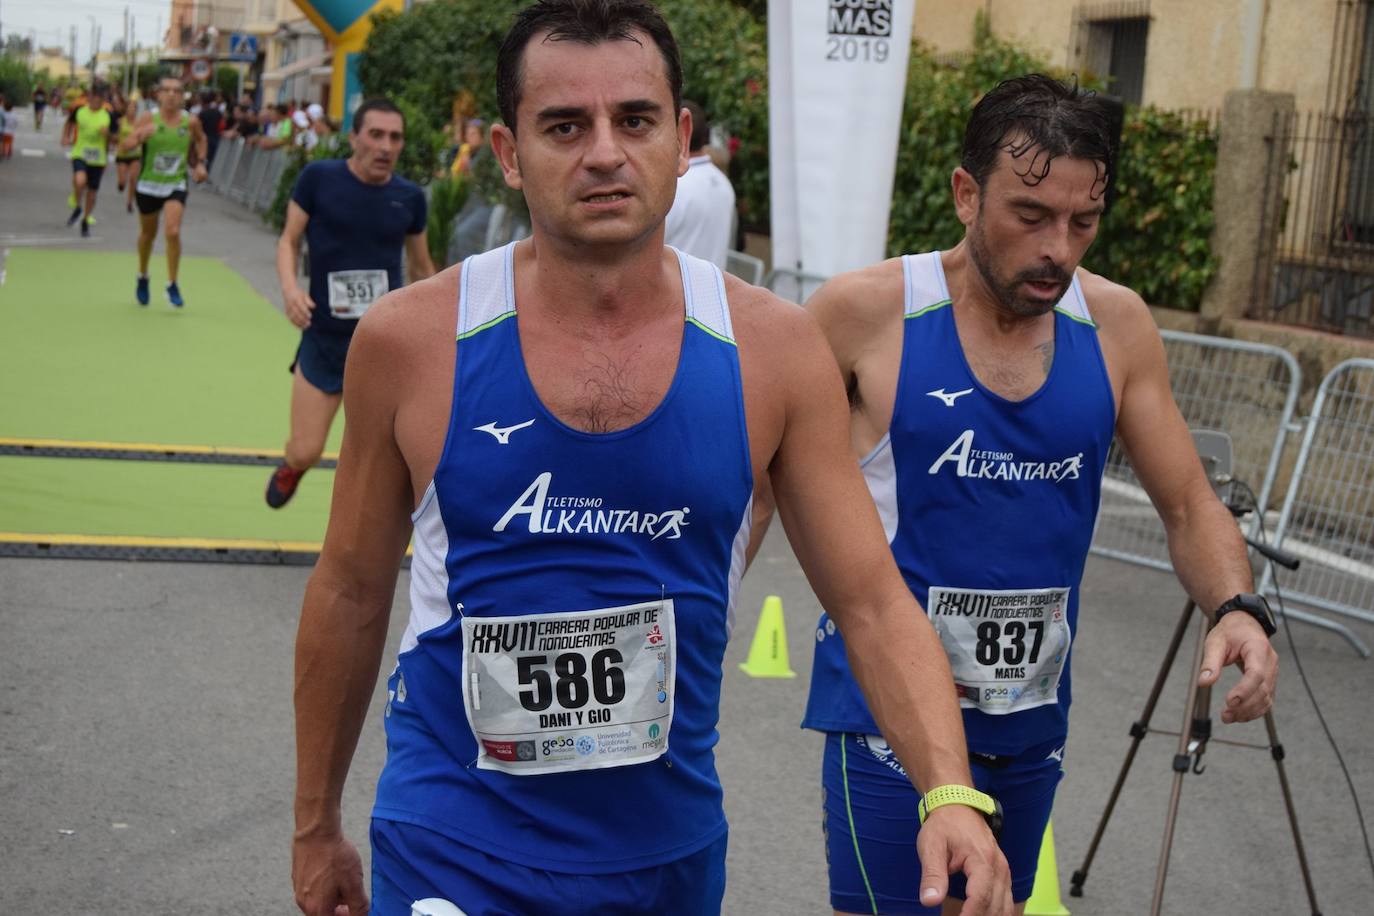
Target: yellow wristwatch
[{"x": 988, "y": 806}]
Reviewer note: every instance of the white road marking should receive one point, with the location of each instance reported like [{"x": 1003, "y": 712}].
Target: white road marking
[{"x": 33, "y": 153}]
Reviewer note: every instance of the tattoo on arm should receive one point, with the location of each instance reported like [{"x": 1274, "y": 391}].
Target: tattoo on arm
[{"x": 1047, "y": 353}]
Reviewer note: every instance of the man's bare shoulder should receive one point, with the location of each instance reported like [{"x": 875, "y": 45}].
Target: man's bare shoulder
[
  {"x": 1121, "y": 314},
  {"x": 403, "y": 322},
  {"x": 763, "y": 319},
  {"x": 867, "y": 297}
]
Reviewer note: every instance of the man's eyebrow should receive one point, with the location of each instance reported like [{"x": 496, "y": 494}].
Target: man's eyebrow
[
  {"x": 565, "y": 113},
  {"x": 1028, "y": 203},
  {"x": 573, "y": 112},
  {"x": 639, "y": 106}
]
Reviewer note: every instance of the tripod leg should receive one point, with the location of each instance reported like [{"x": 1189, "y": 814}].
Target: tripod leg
[
  {"x": 1181, "y": 764},
  {"x": 1138, "y": 731},
  {"x": 1276, "y": 751}
]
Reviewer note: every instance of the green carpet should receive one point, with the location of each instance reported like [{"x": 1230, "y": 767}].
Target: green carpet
[
  {"x": 79, "y": 359},
  {"x": 155, "y": 499}
]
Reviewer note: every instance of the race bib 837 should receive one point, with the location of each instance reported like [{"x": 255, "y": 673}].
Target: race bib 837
[{"x": 1007, "y": 648}]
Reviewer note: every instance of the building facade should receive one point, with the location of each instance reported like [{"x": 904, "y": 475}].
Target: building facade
[{"x": 1179, "y": 53}]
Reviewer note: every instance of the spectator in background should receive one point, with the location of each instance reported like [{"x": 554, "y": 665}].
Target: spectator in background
[
  {"x": 303, "y": 137},
  {"x": 212, "y": 122},
  {"x": 474, "y": 140},
  {"x": 318, "y": 122},
  {"x": 701, "y": 221},
  {"x": 9, "y": 123},
  {"x": 282, "y": 129}
]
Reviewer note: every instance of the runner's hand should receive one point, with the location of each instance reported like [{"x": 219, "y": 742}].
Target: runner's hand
[
  {"x": 1239, "y": 640},
  {"x": 957, "y": 838},
  {"x": 298, "y": 307},
  {"x": 198, "y": 173},
  {"x": 327, "y": 875}
]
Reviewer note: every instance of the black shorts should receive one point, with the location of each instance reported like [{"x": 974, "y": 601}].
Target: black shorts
[
  {"x": 93, "y": 173},
  {"x": 148, "y": 203},
  {"x": 134, "y": 158},
  {"x": 321, "y": 358}
]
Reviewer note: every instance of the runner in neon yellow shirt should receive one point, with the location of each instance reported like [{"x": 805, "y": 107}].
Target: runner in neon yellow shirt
[{"x": 88, "y": 133}]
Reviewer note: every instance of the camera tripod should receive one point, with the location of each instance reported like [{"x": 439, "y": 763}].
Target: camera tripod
[{"x": 1194, "y": 735}]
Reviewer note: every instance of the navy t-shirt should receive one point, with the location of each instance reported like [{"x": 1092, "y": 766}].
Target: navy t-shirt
[{"x": 356, "y": 233}]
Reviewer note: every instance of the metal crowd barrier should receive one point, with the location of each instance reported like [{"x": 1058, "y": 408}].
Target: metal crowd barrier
[
  {"x": 791, "y": 284},
  {"x": 1328, "y": 514},
  {"x": 745, "y": 266},
  {"x": 1247, "y": 390},
  {"x": 246, "y": 174}
]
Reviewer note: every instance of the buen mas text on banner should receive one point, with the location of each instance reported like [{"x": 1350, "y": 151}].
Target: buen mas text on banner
[{"x": 837, "y": 79}]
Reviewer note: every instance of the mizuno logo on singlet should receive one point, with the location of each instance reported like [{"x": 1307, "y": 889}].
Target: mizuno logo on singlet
[
  {"x": 502, "y": 433},
  {"x": 949, "y": 397}
]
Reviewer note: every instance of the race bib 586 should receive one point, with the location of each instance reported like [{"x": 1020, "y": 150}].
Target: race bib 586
[{"x": 551, "y": 693}]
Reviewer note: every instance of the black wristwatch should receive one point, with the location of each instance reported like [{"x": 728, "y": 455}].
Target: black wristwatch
[{"x": 1254, "y": 605}]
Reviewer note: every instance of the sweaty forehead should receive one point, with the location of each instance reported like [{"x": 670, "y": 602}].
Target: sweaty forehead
[
  {"x": 566, "y": 73},
  {"x": 1032, "y": 170}
]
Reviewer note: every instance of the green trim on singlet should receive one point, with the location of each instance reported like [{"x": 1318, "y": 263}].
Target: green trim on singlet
[
  {"x": 1079, "y": 318},
  {"x": 717, "y": 336},
  {"x": 930, "y": 308},
  {"x": 849, "y": 812},
  {"x": 487, "y": 324}
]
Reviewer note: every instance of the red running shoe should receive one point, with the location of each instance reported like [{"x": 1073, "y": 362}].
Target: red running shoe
[{"x": 282, "y": 485}]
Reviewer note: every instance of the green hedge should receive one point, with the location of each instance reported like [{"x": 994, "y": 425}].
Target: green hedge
[
  {"x": 1156, "y": 239},
  {"x": 16, "y": 80}
]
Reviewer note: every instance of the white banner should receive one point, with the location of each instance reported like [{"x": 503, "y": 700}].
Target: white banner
[{"x": 837, "y": 77}]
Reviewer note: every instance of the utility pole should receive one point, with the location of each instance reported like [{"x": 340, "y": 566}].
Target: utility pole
[
  {"x": 72, "y": 59},
  {"x": 124, "y": 83}
]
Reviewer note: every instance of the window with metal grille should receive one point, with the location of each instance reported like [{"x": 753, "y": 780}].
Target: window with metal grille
[{"x": 1116, "y": 49}]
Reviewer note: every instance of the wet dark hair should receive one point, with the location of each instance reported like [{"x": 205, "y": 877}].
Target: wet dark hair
[
  {"x": 701, "y": 126},
  {"x": 588, "y": 22},
  {"x": 378, "y": 104},
  {"x": 1036, "y": 119}
]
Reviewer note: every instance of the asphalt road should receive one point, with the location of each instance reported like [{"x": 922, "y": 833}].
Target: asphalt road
[{"x": 146, "y": 751}]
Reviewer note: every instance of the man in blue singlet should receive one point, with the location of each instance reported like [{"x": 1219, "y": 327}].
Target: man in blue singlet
[
  {"x": 985, "y": 384},
  {"x": 572, "y": 426},
  {"x": 357, "y": 216}
]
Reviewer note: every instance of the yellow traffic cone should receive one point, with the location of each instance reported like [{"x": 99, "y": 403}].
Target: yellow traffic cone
[
  {"x": 768, "y": 651},
  {"x": 1044, "y": 899}
]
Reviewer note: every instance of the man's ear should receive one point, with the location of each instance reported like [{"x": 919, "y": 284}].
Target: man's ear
[
  {"x": 503, "y": 145},
  {"x": 967, "y": 195}
]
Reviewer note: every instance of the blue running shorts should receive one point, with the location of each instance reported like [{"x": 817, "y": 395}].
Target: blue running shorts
[
  {"x": 870, "y": 821},
  {"x": 321, "y": 357},
  {"x": 412, "y": 864}
]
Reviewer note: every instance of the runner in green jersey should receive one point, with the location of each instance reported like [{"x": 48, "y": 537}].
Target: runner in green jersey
[
  {"x": 173, "y": 143},
  {"x": 88, "y": 133},
  {"x": 127, "y": 162}
]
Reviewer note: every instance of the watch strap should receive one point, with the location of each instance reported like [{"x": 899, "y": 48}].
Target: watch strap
[
  {"x": 1251, "y": 604},
  {"x": 955, "y": 795}
]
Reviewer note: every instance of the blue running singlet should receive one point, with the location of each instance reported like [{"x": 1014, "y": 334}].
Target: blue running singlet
[
  {"x": 989, "y": 506},
  {"x": 557, "y": 691}
]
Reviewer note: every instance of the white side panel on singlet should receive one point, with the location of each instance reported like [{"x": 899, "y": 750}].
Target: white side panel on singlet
[{"x": 428, "y": 575}]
